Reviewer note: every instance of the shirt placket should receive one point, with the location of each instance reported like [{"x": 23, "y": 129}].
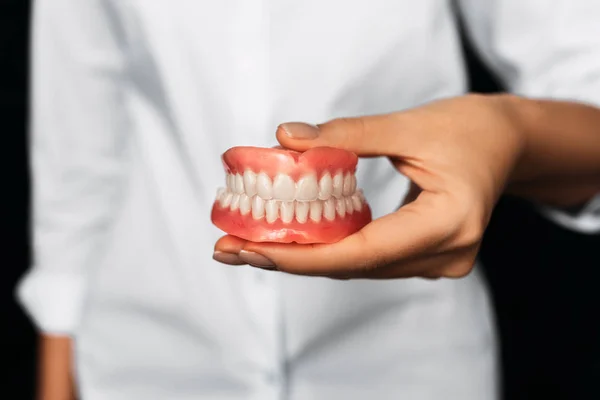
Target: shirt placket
[{"x": 250, "y": 98}]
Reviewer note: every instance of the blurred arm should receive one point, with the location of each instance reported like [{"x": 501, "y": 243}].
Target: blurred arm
[
  {"x": 550, "y": 50},
  {"x": 55, "y": 368},
  {"x": 76, "y": 150}
]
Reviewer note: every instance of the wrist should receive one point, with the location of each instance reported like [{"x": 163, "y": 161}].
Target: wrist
[{"x": 519, "y": 114}]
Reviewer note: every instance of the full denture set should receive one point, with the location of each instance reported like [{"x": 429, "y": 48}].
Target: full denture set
[{"x": 280, "y": 195}]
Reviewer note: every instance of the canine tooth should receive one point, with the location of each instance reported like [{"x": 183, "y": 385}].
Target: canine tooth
[
  {"x": 307, "y": 188},
  {"x": 338, "y": 184},
  {"x": 258, "y": 207},
  {"x": 272, "y": 210},
  {"x": 230, "y": 178},
  {"x": 349, "y": 205},
  {"x": 347, "y": 187},
  {"x": 264, "y": 186},
  {"x": 325, "y": 186},
  {"x": 302, "y": 209},
  {"x": 226, "y": 200},
  {"x": 316, "y": 210},
  {"x": 239, "y": 183},
  {"x": 287, "y": 211},
  {"x": 235, "y": 202},
  {"x": 245, "y": 204},
  {"x": 284, "y": 187},
  {"x": 340, "y": 207},
  {"x": 250, "y": 182},
  {"x": 356, "y": 202},
  {"x": 329, "y": 209}
]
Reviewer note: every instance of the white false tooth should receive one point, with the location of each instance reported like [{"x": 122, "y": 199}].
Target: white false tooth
[
  {"x": 284, "y": 187},
  {"x": 239, "y": 183},
  {"x": 264, "y": 186},
  {"x": 258, "y": 207},
  {"x": 347, "y": 188},
  {"x": 325, "y": 186},
  {"x": 287, "y": 211},
  {"x": 353, "y": 186},
  {"x": 230, "y": 178},
  {"x": 338, "y": 184},
  {"x": 316, "y": 210},
  {"x": 329, "y": 209},
  {"x": 272, "y": 210},
  {"x": 340, "y": 207},
  {"x": 220, "y": 193},
  {"x": 302, "y": 209},
  {"x": 250, "y": 183},
  {"x": 235, "y": 202},
  {"x": 356, "y": 202},
  {"x": 361, "y": 195},
  {"x": 349, "y": 205},
  {"x": 226, "y": 200},
  {"x": 307, "y": 188},
  {"x": 245, "y": 204}
]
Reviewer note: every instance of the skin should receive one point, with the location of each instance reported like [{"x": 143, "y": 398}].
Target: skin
[
  {"x": 461, "y": 154},
  {"x": 55, "y": 369}
]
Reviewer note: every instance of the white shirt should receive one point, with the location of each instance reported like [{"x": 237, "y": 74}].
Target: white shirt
[{"x": 133, "y": 103}]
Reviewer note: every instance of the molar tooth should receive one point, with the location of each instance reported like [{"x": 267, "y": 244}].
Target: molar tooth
[
  {"x": 226, "y": 199},
  {"x": 307, "y": 188},
  {"x": 250, "y": 182},
  {"x": 284, "y": 187},
  {"x": 220, "y": 193},
  {"x": 245, "y": 204},
  {"x": 329, "y": 209},
  {"x": 347, "y": 186},
  {"x": 230, "y": 178},
  {"x": 235, "y": 202},
  {"x": 325, "y": 186},
  {"x": 302, "y": 209},
  {"x": 239, "y": 183},
  {"x": 272, "y": 210},
  {"x": 338, "y": 184},
  {"x": 349, "y": 205},
  {"x": 356, "y": 202},
  {"x": 258, "y": 207},
  {"x": 340, "y": 207},
  {"x": 264, "y": 186},
  {"x": 316, "y": 210},
  {"x": 353, "y": 186},
  {"x": 287, "y": 211}
]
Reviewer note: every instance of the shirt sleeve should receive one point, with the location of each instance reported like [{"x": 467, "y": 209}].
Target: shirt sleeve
[
  {"x": 77, "y": 147},
  {"x": 544, "y": 49}
]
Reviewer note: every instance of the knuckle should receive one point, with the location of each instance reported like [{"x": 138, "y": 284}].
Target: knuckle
[
  {"x": 469, "y": 222},
  {"x": 461, "y": 265},
  {"x": 459, "y": 269}
]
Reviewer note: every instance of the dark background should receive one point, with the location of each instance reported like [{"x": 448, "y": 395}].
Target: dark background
[{"x": 544, "y": 279}]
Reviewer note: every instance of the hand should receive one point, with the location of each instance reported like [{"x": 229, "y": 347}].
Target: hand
[{"x": 458, "y": 153}]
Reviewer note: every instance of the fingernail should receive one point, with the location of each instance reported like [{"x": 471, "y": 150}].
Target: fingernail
[
  {"x": 300, "y": 130},
  {"x": 255, "y": 259},
  {"x": 227, "y": 258}
]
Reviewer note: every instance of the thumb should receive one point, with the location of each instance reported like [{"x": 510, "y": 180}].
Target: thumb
[{"x": 366, "y": 136}]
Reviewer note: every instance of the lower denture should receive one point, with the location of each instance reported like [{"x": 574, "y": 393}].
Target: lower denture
[{"x": 277, "y": 195}]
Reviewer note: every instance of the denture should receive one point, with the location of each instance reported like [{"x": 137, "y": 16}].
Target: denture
[{"x": 279, "y": 195}]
